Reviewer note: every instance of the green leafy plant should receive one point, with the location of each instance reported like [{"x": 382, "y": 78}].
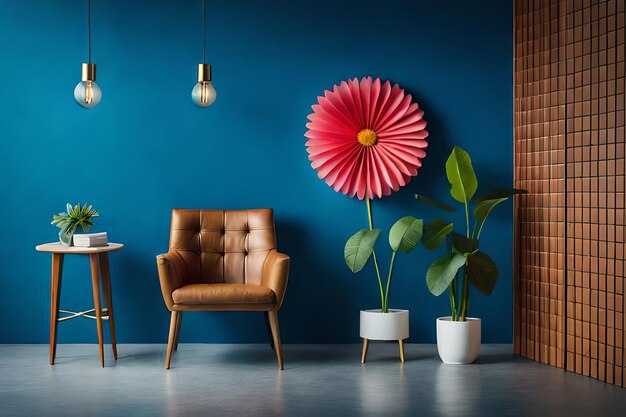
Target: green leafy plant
[
  {"x": 74, "y": 218},
  {"x": 464, "y": 257},
  {"x": 404, "y": 236}
]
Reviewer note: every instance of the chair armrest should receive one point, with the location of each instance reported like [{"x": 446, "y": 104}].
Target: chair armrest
[
  {"x": 276, "y": 273},
  {"x": 171, "y": 269}
]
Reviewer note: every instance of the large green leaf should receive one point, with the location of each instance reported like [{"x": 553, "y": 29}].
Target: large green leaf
[
  {"x": 405, "y": 234},
  {"x": 461, "y": 175},
  {"x": 464, "y": 245},
  {"x": 435, "y": 232},
  {"x": 359, "y": 248},
  {"x": 483, "y": 208},
  {"x": 434, "y": 203},
  {"x": 486, "y": 203},
  {"x": 482, "y": 272},
  {"x": 441, "y": 272}
]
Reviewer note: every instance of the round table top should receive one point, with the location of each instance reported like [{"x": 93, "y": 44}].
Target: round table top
[{"x": 57, "y": 247}]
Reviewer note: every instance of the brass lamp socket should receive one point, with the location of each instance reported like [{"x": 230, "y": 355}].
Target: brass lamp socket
[
  {"x": 89, "y": 72},
  {"x": 204, "y": 72}
]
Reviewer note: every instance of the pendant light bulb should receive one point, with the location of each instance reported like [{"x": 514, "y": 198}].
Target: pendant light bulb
[
  {"x": 87, "y": 93},
  {"x": 203, "y": 93}
]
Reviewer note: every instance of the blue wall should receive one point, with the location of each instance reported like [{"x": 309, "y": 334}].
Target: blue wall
[{"x": 147, "y": 148}]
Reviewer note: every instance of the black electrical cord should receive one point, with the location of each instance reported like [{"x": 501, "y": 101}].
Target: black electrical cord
[{"x": 89, "y": 31}]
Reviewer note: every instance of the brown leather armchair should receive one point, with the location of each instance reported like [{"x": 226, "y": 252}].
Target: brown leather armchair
[{"x": 223, "y": 260}]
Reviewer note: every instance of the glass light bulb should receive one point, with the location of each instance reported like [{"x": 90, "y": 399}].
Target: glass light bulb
[
  {"x": 87, "y": 94},
  {"x": 203, "y": 94}
]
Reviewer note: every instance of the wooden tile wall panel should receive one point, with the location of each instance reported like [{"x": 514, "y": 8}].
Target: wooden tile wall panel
[
  {"x": 569, "y": 153},
  {"x": 540, "y": 94}
]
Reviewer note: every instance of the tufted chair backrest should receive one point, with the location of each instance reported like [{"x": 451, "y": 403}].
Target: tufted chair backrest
[{"x": 223, "y": 246}]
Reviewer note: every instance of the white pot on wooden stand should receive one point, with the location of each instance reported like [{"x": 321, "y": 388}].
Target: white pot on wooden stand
[
  {"x": 376, "y": 325},
  {"x": 458, "y": 342}
]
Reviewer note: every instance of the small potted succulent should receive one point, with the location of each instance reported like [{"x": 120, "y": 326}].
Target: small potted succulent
[
  {"x": 71, "y": 220},
  {"x": 458, "y": 335}
]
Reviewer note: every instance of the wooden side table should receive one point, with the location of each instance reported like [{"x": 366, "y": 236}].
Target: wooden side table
[{"x": 99, "y": 261}]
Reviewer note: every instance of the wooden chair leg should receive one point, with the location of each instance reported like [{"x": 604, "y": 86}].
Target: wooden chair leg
[
  {"x": 273, "y": 319},
  {"x": 179, "y": 321},
  {"x": 269, "y": 329},
  {"x": 170, "y": 341},
  {"x": 364, "y": 351},
  {"x": 401, "y": 342}
]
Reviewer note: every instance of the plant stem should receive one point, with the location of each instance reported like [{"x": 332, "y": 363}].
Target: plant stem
[
  {"x": 480, "y": 229},
  {"x": 393, "y": 258},
  {"x": 467, "y": 220},
  {"x": 452, "y": 301},
  {"x": 465, "y": 302},
  {"x": 368, "y": 203},
  {"x": 465, "y": 295},
  {"x": 380, "y": 282}
]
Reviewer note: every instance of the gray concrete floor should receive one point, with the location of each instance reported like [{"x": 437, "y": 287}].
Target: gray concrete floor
[{"x": 318, "y": 380}]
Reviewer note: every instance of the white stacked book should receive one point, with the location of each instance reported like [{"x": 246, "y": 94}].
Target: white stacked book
[{"x": 88, "y": 240}]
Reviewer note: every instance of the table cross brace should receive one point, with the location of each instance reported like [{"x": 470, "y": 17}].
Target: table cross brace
[{"x": 74, "y": 314}]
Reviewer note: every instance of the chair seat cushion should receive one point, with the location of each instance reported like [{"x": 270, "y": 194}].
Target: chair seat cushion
[{"x": 223, "y": 294}]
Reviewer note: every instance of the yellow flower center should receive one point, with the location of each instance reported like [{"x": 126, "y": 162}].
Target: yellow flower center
[{"x": 367, "y": 137}]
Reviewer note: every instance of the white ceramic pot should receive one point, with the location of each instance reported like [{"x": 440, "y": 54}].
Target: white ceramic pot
[
  {"x": 458, "y": 342},
  {"x": 376, "y": 325}
]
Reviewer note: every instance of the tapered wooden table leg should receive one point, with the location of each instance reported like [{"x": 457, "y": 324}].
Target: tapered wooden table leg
[
  {"x": 106, "y": 287},
  {"x": 364, "y": 351},
  {"x": 95, "y": 283},
  {"x": 401, "y": 343},
  {"x": 55, "y": 295}
]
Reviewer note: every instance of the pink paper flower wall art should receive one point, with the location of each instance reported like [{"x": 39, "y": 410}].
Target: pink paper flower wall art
[{"x": 366, "y": 138}]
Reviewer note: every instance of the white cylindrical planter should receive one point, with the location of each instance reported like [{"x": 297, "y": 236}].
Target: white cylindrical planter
[
  {"x": 458, "y": 342},
  {"x": 376, "y": 325}
]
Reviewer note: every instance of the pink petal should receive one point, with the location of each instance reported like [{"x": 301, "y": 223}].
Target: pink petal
[
  {"x": 341, "y": 173},
  {"x": 417, "y": 136},
  {"x": 319, "y": 152},
  {"x": 398, "y": 164},
  {"x": 409, "y": 123},
  {"x": 313, "y": 142},
  {"x": 396, "y": 95},
  {"x": 326, "y": 125},
  {"x": 383, "y": 97},
  {"x": 334, "y": 106},
  {"x": 360, "y": 180},
  {"x": 373, "y": 178},
  {"x": 396, "y": 113},
  {"x": 388, "y": 168},
  {"x": 346, "y": 97},
  {"x": 374, "y": 99},
  {"x": 335, "y": 164},
  {"x": 332, "y": 136},
  {"x": 356, "y": 98},
  {"x": 417, "y": 152},
  {"x": 366, "y": 96},
  {"x": 383, "y": 174}
]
